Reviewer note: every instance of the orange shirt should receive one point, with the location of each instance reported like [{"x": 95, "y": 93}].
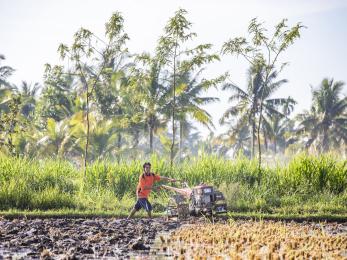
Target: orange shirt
[{"x": 146, "y": 181}]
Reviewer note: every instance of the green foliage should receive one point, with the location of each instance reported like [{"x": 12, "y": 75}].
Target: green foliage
[
  {"x": 58, "y": 95},
  {"x": 262, "y": 53},
  {"x": 262, "y": 50},
  {"x": 26, "y": 184},
  {"x": 51, "y": 198},
  {"x": 255, "y": 102},
  {"x": 324, "y": 125},
  {"x": 105, "y": 101},
  {"x": 5, "y": 72},
  {"x": 182, "y": 62},
  {"x": 12, "y": 124},
  {"x": 307, "y": 184},
  {"x": 308, "y": 173}
]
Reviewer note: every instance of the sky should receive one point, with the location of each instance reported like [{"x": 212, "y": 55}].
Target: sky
[{"x": 31, "y": 31}]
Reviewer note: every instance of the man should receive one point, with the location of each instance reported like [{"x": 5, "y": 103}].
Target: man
[{"x": 144, "y": 187}]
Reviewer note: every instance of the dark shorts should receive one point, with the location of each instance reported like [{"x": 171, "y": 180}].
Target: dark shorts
[{"x": 143, "y": 203}]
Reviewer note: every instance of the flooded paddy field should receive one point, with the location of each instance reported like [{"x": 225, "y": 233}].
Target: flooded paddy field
[{"x": 193, "y": 238}]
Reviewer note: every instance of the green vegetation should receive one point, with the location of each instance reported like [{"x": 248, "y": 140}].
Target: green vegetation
[
  {"x": 308, "y": 185},
  {"x": 78, "y": 144}
]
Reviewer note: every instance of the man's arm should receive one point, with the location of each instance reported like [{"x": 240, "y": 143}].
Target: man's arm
[{"x": 167, "y": 179}]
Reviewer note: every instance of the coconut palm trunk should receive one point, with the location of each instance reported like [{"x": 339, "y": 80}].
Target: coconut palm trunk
[
  {"x": 253, "y": 138},
  {"x": 151, "y": 139},
  {"x": 119, "y": 145},
  {"x": 181, "y": 140}
]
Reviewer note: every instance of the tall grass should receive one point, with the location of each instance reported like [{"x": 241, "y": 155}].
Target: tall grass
[
  {"x": 306, "y": 184},
  {"x": 26, "y": 184}
]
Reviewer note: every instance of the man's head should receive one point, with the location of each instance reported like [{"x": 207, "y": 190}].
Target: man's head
[{"x": 147, "y": 167}]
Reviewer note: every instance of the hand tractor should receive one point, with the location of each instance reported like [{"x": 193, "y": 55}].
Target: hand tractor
[{"x": 201, "y": 199}]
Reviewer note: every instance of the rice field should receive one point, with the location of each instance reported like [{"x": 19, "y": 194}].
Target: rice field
[
  {"x": 256, "y": 240},
  {"x": 158, "y": 238}
]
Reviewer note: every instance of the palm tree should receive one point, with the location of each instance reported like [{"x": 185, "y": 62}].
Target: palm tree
[
  {"x": 56, "y": 137},
  {"x": 277, "y": 126},
  {"x": 115, "y": 101},
  {"x": 5, "y": 72},
  {"x": 5, "y": 98},
  {"x": 28, "y": 94},
  {"x": 325, "y": 124},
  {"x": 212, "y": 145},
  {"x": 104, "y": 140},
  {"x": 154, "y": 96},
  {"x": 238, "y": 139},
  {"x": 192, "y": 141},
  {"x": 188, "y": 104},
  {"x": 247, "y": 109},
  {"x": 6, "y": 88}
]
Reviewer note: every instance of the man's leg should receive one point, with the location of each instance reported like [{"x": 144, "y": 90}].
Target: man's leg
[
  {"x": 136, "y": 207},
  {"x": 132, "y": 213},
  {"x": 148, "y": 208}
]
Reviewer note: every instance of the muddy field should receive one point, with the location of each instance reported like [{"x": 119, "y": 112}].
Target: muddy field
[
  {"x": 77, "y": 238},
  {"x": 106, "y": 238}
]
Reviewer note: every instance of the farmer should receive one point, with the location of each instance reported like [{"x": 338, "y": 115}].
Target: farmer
[{"x": 146, "y": 180}]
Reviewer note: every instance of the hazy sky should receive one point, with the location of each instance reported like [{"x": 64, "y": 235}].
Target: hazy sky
[{"x": 32, "y": 30}]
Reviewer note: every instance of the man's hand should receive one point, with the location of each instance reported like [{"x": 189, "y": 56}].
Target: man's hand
[{"x": 157, "y": 188}]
